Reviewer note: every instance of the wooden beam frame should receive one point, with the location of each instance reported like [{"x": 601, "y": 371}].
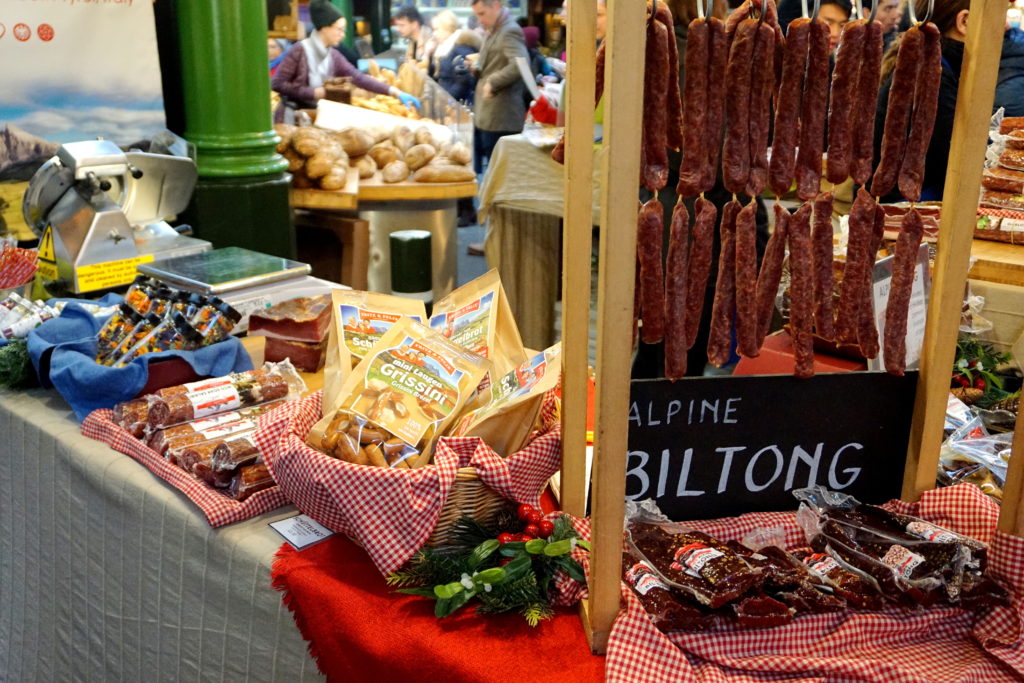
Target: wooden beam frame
[{"x": 956, "y": 233}]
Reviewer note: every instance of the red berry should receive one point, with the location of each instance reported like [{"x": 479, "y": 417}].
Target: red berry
[
  {"x": 533, "y": 517},
  {"x": 524, "y": 510},
  {"x": 979, "y": 383},
  {"x": 503, "y": 561},
  {"x": 964, "y": 382},
  {"x": 523, "y": 537},
  {"x": 531, "y": 530},
  {"x": 506, "y": 538},
  {"x": 546, "y": 528}
]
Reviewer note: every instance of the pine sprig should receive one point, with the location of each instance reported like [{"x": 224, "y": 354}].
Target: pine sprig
[{"x": 537, "y": 611}]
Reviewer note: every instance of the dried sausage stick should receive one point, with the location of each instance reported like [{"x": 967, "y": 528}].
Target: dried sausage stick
[
  {"x": 771, "y": 272},
  {"x": 700, "y": 265},
  {"x": 691, "y": 170},
  {"x": 738, "y": 73},
  {"x": 719, "y": 49},
  {"x": 801, "y": 290},
  {"x": 787, "y": 109},
  {"x": 867, "y": 331},
  {"x": 780, "y": 50},
  {"x": 821, "y": 248},
  {"x": 654, "y": 157},
  {"x": 599, "y": 75},
  {"x": 674, "y": 131},
  {"x": 897, "y": 117},
  {"x": 852, "y": 295},
  {"x": 896, "y": 311},
  {"x": 761, "y": 88},
  {"x": 926, "y": 102},
  {"x": 813, "y": 110},
  {"x": 843, "y": 99},
  {"x": 864, "y": 105},
  {"x": 652, "y": 277},
  {"x": 720, "y": 337},
  {"x": 676, "y": 267},
  {"x": 746, "y": 280}
]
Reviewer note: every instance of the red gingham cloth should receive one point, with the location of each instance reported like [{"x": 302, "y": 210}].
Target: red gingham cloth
[
  {"x": 392, "y": 513},
  {"x": 218, "y": 507},
  {"x": 1000, "y": 213},
  {"x": 938, "y": 644}
]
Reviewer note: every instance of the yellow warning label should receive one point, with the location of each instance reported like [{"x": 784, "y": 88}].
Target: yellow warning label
[
  {"x": 110, "y": 274},
  {"x": 47, "y": 261}
]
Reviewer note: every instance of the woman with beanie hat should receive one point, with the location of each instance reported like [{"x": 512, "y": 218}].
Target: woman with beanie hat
[{"x": 309, "y": 63}]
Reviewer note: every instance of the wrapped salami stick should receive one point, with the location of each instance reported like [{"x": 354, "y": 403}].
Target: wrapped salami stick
[
  {"x": 195, "y": 400},
  {"x": 160, "y": 439},
  {"x": 190, "y": 455},
  {"x": 175, "y": 446},
  {"x": 132, "y": 415},
  {"x": 249, "y": 480},
  {"x": 231, "y": 454}
]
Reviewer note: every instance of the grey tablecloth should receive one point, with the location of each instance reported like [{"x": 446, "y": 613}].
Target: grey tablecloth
[{"x": 107, "y": 573}]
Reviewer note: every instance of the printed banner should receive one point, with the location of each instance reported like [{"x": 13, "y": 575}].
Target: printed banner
[{"x": 72, "y": 70}]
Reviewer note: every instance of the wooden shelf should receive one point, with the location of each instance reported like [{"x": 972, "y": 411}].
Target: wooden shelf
[
  {"x": 375, "y": 190},
  {"x": 337, "y": 200}
]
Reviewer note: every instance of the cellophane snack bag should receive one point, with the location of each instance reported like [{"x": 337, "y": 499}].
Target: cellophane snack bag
[
  {"x": 360, "y": 319},
  {"x": 506, "y": 421},
  {"x": 477, "y": 316},
  {"x": 399, "y": 399}
]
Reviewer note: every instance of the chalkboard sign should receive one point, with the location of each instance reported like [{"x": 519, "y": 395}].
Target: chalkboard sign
[{"x": 712, "y": 447}]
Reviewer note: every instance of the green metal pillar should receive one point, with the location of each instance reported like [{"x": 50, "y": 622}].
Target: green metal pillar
[
  {"x": 350, "y": 32},
  {"x": 241, "y": 198}
]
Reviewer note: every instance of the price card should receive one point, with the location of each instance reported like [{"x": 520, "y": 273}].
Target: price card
[
  {"x": 301, "y": 531},
  {"x": 882, "y": 280}
]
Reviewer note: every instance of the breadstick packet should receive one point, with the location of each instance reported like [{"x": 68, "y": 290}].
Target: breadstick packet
[
  {"x": 360, "y": 319},
  {"x": 399, "y": 399}
]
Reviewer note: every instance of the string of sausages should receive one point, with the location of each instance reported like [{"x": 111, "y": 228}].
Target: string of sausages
[{"x": 749, "y": 53}]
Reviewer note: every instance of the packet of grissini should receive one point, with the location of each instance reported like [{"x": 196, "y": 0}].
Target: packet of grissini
[
  {"x": 360, "y": 319},
  {"x": 507, "y": 420},
  {"x": 399, "y": 399},
  {"x": 477, "y": 316}
]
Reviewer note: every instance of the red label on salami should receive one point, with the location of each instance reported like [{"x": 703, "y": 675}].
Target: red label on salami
[
  {"x": 216, "y": 399},
  {"x": 931, "y": 533},
  {"x": 643, "y": 579},
  {"x": 692, "y": 558},
  {"x": 820, "y": 563}
]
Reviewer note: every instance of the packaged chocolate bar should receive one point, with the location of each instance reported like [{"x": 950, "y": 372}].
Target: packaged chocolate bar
[
  {"x": 410, "y": 387},
  {"x": 187, "y": 402},
  {"x": 507, "y": 420},
  {"x": 358, "y": 321}
]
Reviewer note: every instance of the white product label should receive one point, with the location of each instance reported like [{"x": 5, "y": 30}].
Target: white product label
[
  {"x": 214, "y": 400},
  {"x": 820, "y": 563},
  {"x": 692, "y": 558},
  {"x": 642, "y": 578},
  {"x": 301, "y": 531},
  {"x": 902, "y": 560},
  {"x": 220, "y": 431},
  {"x": 931, "y": 533},
  {"x": 215, "y": 420}
]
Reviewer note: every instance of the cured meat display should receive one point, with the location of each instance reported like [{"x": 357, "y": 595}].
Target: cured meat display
[{"x": 856, "y": 557}]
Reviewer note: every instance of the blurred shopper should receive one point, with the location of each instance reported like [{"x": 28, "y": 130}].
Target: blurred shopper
[
  {"x": 448, "y": 64},
  {"x": 409, "y": 24},
  {"x": 307, "y": 64},
  {"x": 275, "y": 52}
]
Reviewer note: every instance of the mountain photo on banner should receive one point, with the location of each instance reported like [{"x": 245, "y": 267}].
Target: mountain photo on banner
[{"x": 73, "y": 70}]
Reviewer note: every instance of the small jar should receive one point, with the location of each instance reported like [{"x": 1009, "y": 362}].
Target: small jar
[
  {"x": 117, "y": 327},
  {"x": 140, "y": 294},
  {"x": 216, "y": 320},
  {"x": 163, "y": 301},
  {"x": 174, "y": 333}
]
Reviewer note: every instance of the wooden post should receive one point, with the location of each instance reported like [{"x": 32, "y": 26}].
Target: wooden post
[
  {"x": 956, "y": 232},
  {"x": 576, "y": 245},
  {"x": 1011, "y": 512},
  {"x": 620, "y": 173}
]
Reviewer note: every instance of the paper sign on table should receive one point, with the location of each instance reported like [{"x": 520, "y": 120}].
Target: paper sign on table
[{"x": 301, "y": 531}]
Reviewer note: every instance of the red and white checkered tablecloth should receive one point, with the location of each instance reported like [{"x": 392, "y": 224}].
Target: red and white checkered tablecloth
[
  {"x": 937, "y": 644},
  {"x": 392, "y": 513},
  {"x": 218, "y": 507}
]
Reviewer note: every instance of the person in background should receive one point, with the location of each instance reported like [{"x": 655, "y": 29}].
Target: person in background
[
  {"x": 448, "y": 63},
  {"x": 951, "y": 17},
  {"x": 307, "y": 64},
  {"x": 275, "y": 51},
  {"x": 499, "y": 103},
  {"x": 889, "y": 14},
  {"x": 538, "y": 64},
  {"x": 409, "y": 23},
  {"x": 351, "y": 54},
  {"x": 835, "y": 13}
]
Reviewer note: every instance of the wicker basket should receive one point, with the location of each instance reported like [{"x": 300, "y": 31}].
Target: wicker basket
[{"x": 468, "y": 497}]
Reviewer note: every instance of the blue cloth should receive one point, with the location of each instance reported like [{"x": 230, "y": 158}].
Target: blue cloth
[{"x": 63, "y": 352}]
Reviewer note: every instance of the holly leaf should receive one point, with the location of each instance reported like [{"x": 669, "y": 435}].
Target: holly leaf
[
  {"x": 492, "y": 575},
  {"x": 517, "y": 569},
  {"x": 448, "y": 590},
  {"x": 558, "y": 548},
  {"x": 481, "y": 553},
  {"x": 536, "y": 546},
  {"x": 421, "y": 591},
  {"x": 572, "y": 568},
  {"x": 448, "y": 606},
  {"x": 583, "y": 544}
]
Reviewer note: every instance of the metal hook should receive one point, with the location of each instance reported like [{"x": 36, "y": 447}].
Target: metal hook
[
  {"x": 809, "y": 15},
  {"x": 763, "y": 10},
  {"x": 912, "y": 7},
  {"x": 857, "y": 10},
  {"x": 874, "y": 11},
  {"x": 703, "y": 13}
]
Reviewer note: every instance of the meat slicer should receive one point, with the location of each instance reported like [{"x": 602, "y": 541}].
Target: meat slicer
[{"x": 99, "y": 212}]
